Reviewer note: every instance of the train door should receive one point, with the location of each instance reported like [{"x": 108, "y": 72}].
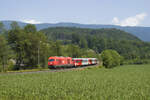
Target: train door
[{"x": 90, "y": 61}]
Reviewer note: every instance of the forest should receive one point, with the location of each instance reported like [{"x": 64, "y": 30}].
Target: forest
[
  {"x": 27, "y": 48},
  {"x": 127, "y": 45}
]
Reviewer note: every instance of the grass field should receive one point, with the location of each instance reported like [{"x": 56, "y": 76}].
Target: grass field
[{"x": 130, "y": 82}]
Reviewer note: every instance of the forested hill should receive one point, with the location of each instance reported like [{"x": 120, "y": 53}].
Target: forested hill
[
  {"x": 66, "y": 33},
  {"x": 129, "y": 46},
  {"x": 141, "y": 32}
]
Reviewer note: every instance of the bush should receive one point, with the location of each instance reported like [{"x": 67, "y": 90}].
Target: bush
[
  {"x": 10, "y": 66},
  {"x": 0, "y": 68},
  {"x": 111, "y": 58},
  {"x": 100, "y": 66}
]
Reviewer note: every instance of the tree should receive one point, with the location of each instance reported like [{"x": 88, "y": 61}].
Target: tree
[
  {"x": 4, "y": 51},
  {"x": 28, "y": 46},
  {"x": 83, "y": 43},
  {"x": 75, "y": 38},
  {"x": 30, "y": 28},
  {"x": 17, "y": 40},
  {"x": 2, "y": 28},
  {"x": 110, "y": 58},
  {"x": 36, "y": 49},
  {"x": 44, "y": 53},
  {"x": 56, "y": 48},
  {"x": 14, "y": 25},
  {"x": 89, "y": 53},
  {"x": 74, "y": 51}
]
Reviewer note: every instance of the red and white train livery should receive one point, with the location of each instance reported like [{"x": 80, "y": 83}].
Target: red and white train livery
[{"x": 70, "y": 62}]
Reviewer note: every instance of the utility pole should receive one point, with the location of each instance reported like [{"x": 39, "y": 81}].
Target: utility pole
[
  {"x": 39, "y": 54},
  {"x": 3, "y": 64}
]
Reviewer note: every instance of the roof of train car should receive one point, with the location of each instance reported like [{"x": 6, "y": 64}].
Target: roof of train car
[
  {"x": 59, "y": 57},
  {"x": 83, "y": 58}
]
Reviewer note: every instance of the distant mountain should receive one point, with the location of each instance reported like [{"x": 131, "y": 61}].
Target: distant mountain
[
  {"x": 141, "y": 32},
  {"x": 8, "y": 26}
]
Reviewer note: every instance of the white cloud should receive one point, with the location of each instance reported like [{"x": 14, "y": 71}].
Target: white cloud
[
  {"x": 130, "y": 21},
  {"x": 115, "y": 20},
  {"x": 31, "y": 21}
]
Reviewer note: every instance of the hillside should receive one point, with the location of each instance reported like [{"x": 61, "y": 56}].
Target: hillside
[
  {"x": 141, "y": 32},
  {"x": 65, "y": 33},
  {"x": 128, "y": 45}
]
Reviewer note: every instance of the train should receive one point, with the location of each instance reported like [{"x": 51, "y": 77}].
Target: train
[{"x": 67, "y": 62}]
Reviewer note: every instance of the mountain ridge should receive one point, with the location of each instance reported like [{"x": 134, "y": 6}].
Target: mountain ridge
[
  {"x": 66, "y": 33},
  {"x": 141, "y": 32}
]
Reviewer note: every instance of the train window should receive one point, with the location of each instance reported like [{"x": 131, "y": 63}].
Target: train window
[
  {"x": 68, "y": 61},
  {"x": 78, "y": 61},
  {"x": 51, "y": 60},
  {"x": 84, "y": 61}
]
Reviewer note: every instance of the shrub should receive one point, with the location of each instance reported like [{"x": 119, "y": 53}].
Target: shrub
[
  {"x": 111, "y": 58},
  {"x": 10, "y": 66},
  {"x": 0, "y": 68}
]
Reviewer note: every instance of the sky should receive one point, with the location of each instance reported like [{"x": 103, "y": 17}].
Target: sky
[{"x": 114, "y": 12}]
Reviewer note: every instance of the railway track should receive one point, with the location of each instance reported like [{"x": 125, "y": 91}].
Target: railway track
[{"x": 52, "y": 70}]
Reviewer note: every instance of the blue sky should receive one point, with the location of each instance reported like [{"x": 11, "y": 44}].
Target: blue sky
[{"x": 118, "y": 12}]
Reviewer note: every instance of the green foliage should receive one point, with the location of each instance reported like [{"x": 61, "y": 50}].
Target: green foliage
[
  {"x": 4, "y": 52},
  {"x": 30, "y": 47},
  {"x": 57, "y": 47},
  {"x": 75, "y": 34},
  {"x": 137, "y": 61},
  {"x": 1, "y": 68},
  {"x": 29, "y": 28},
  {"x": 123, "y": 83},
  {"x": 10, "y": 66},
  {"x": 127, "y": 45},
  {"x": 83, "y": 43},
  {"x": 100, "y": 66},
  {"x": 14, "y": 25},
  {"x": 2, "y": 28},
  {"x": 110, "y": 58},
  {"x": 74, "y": 51}
]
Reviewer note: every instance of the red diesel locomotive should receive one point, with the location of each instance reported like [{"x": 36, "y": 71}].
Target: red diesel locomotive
[{"x": 55, "y": 62}]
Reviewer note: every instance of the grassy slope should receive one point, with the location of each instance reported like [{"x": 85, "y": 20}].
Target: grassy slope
[{"x": 122, "y": 83}]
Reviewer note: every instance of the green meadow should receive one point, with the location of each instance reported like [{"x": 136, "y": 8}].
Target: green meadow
[{"x": 129, "y": 82}]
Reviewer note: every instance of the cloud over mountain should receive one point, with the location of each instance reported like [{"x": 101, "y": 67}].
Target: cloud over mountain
[
  {"x": 130, "y": 21},
  {"x": 31, "y": 21}
]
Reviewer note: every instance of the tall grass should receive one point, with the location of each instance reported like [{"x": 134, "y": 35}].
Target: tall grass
[{"x": 121, "y": 83}]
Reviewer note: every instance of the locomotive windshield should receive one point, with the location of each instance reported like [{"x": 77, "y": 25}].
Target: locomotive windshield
[{"x": 51, "y": 60}]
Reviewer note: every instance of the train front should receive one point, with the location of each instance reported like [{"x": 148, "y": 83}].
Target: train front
[{"x": 51, "y": 62}]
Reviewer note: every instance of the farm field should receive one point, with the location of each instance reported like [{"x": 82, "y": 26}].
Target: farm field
[{"x": 129, "y": 82}]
